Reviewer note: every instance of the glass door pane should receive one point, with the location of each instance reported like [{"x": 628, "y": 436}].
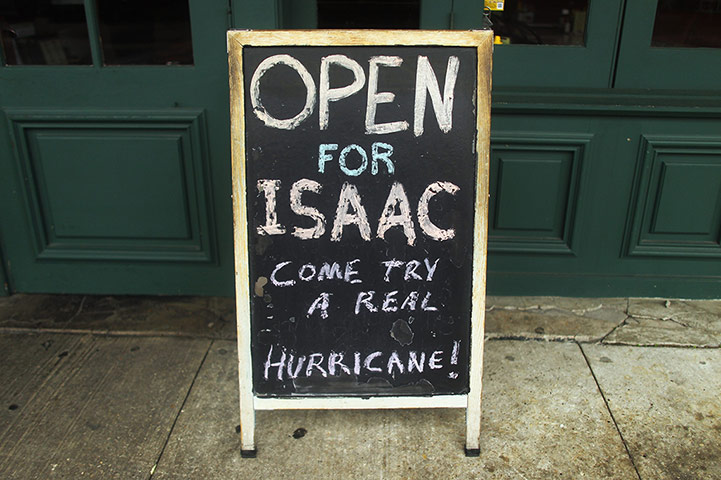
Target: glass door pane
[
  {"x": 44, "y": 32},
  {"x": 549, "y": 43},
  {"x": 687, "y": 23},
  {"x": 671, "y": 44},
  {"x": 137, "y": 32},
  {"x": 541, "y": 22},
  {"x": 349, "y": 14}
]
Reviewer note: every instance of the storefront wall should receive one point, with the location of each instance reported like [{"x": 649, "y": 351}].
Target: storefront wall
[{"x": 605, "y": 163}]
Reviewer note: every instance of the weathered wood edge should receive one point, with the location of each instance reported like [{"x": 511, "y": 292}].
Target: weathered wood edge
[
  {"x": 480, "y": 243},
  {"x": 360, "y": 403},
  {"x": 313, "y": 38},
  {"x": 480, "y": 39},
  {"x": 240, "y": 240}
]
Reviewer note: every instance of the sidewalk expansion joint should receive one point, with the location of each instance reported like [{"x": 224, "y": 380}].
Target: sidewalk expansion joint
[
  {"x": 180, "y": 410},
  {"x": 608, "y": 408},
  {"x": 106, "y": 333},
  {"x": 523, "y": 338}
]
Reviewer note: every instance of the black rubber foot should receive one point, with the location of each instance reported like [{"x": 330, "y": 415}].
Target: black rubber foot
[
  {"x": 473, "y": 452},
  {"x": 248, "y": 453}
]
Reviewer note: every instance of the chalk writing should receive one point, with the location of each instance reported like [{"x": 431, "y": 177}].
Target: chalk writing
[
  {"x": 361, "y": 218},
  {"x": 283, "y": 364},
  {"x": 350, "y": 211},
  {"x": 426, "y": 84}
]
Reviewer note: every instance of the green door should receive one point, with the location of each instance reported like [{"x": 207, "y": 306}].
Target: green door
[
  {"x": 114, "y": 147},
  {"x": 605, "y": 162},
  {"x": 605, "y": 148}
]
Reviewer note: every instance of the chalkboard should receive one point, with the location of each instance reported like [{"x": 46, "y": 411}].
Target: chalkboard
[{"x": 360, "y": 188}]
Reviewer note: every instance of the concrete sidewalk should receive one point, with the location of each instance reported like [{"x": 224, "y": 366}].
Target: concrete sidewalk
[{"x": 146, "y": 387}]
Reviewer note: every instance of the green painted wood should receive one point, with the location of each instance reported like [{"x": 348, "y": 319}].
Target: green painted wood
[
  {"x": 436, "y": 14},
  {"x": 69, "y": 158},
  {"x": 677, "y": 198},
  {"x": 255, "y": 14},
  {"x": 528, "y": 193},
  {"x": 643, "y": 66},
  {"x": 467, "y": 14},
  {"x": 590, "y": 66},
  {"x": 533, "y": 203},
  {"x": 4, "y": 282},
  {"x": 298, "y": 14},
  {"x": 599, "y": 286},
  {"x": 606, "y": 219},
  {"x": 586, "y": 212},
  {"x": 91, "y": 13},
  {"x": 137, "y": 247},
  {"x": 688, "y": 188}
]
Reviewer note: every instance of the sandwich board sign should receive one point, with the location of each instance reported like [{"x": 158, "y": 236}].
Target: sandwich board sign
[{"x": 360, "y": 206}]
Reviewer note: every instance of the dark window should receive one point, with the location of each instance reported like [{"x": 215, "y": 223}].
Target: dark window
[
  {"x": 404, "y": 14},
  {"x": 44, "y": 32},
  {"x": 687, "y": 23},
  {"x": 542, "y": 22},
  {"x": 139, "y": 32}
]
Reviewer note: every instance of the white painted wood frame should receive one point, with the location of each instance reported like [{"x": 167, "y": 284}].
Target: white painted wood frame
[{"x": 482, "y": 40}]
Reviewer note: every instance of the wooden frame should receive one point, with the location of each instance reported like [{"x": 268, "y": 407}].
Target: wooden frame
[{"x": 482, "y": 41}]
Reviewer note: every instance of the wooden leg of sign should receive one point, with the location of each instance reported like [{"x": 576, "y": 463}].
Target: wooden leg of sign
[
  {"x": 480, "y": 244},
  {"x": 473, "y": 422},
  {"x": 245, "y": 379},
  {"x": 473, "y": 409},
  {"x": 242, "y": 274},
  {"x": 247, "y": 414},
  {"x": 247, "y": 432},
  {"x": 478, "y": 315}
]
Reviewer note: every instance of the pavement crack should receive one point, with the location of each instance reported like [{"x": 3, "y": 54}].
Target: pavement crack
[
  {"x": 583, "y": 311},
  {"x": 663, "y": 319},
  {"x": 528, "y": 308},
  {"x": 678, "y": 322},
  {"x": 79, "y": 310},
  {"x": 623, "y": 323},
  {"x": 180, "y": 410},
  {"x": 608, "y": 408},
  {"x": 545, "y": 307}
]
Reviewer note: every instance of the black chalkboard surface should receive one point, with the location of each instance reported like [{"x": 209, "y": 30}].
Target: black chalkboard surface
[
  {"x": 355, "y": 291},
  {"x": 360, "y": 196}
]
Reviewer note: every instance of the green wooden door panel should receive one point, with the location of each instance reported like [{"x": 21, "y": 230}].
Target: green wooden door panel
[
  {"x": 677, "y": 199},
  {"x": 117, "y": 179},
  {"x": 534, "y": 186},
  {"x": 643, "y": 66},
  {"x": 550, "y": 66},
  {"x": 110, "y": 187},
  {"x": 530, "y": 193},
  {"x": 697, "y": 185},
  {"x": 92, "y": 179},
  {"x": 647, "y": 211}
]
